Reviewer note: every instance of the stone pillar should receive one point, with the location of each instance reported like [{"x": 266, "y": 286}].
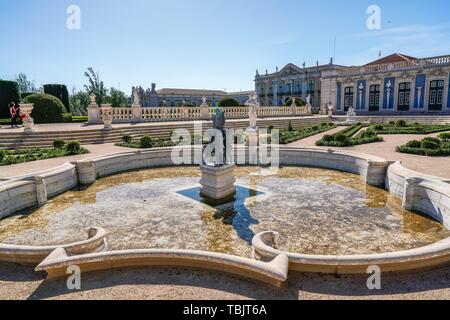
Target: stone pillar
[
  {"x": 41, "y": 190},
  {"x": 376, "y": 173},
  {"x": 408, "y": 193},
  {"x": 86, "y": 172},
  {"x": 106, "y": 112},
  {"x": 136, "y": 113},
  {"x": 204, "y": 109},
  {"x": 93, "y": 111},
  {"x": 28, "y": 122}
]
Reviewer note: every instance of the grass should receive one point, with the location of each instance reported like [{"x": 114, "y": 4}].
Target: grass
[
  {"x": 75, "y": 119},
  {"x": 287, "y": 136},
  {"x": 350, "y": 137},
  {"x": 8, "y": 157}
]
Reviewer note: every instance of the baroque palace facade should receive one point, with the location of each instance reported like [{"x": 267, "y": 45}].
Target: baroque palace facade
[
  {"x": 397, "y": 83},
  {"x": 186, "y": 97}
]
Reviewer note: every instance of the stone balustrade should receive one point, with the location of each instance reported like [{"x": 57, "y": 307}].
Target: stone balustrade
[{"x": 160, "y": 114}]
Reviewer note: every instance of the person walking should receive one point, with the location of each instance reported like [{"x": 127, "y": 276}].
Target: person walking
[
  {"x": 18, "y": 114},
  {"x": 13, "y": 113}
]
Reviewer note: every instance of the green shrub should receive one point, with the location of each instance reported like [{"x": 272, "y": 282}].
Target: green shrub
[
  {"x": 146, "y": 142},
  {"x": 59, "y": 144},
  {"x": 401, "y": 123},
  {"x": 228, "y": 102},
  {"x": 431, "y": 139},
  {"x": 59, "y": 91},
  {"x": 392, "y": 123},
  {"x": 340, "y": 137},
  {"x": 328, "y": 138},
  {"x": 315, "y": 128},
  {"x": 9, "y": 92},
  {"x": 368, "y": 134},
  {"x": 47, "y": 108},
  {"x": 2, "y": 154},
  {"x": 323, "y": 124},
  {"x": 73, "y": 147},
  {"x": 127, "y": 139},
  {"x": 378, "y": 127},
  {"x": 290, "y": 127},
  {"x": 445, "y": 136},
  {"x": 414, "y": 144},
  {"x": 67, "y": 118},
  {"x": 432, "y": 145}
]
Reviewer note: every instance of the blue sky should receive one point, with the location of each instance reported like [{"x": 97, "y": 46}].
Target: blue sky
[{"x": 211, "y": 44}]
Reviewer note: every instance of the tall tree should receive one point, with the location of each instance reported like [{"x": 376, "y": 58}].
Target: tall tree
[
  {"x": 25, "y": 86},
  {"x": 79, "y": 101},
  {"x": 95, "y": 86},
  {"x": 117, "y": 98}
]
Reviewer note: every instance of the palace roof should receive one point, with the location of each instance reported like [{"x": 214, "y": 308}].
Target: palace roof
[{"x": 396, "y": 57}]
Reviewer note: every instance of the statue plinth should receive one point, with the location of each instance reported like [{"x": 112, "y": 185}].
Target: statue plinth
[
  {"x": 217, "y": 183},
  {"x": 252, "y": 135}
]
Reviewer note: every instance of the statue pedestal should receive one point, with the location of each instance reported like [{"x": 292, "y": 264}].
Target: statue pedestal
[
  {"x": 252, "y": 135},
  {"x": 217, "y": 182}
]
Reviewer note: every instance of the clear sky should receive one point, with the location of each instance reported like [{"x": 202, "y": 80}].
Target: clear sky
[{"x": 210, "y": 44}]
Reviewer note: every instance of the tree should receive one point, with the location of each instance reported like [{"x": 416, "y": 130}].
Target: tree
[
  {"x": 25, "y": 86},
  {"x": 95, "y": 86},
  {"x": 9, "y": 92},
  {"x": 228, "y": 102},
  {"x": 117, "y": 98},
  {"x": 59, "y": 91},
  {"x": 79, "y": 102}
]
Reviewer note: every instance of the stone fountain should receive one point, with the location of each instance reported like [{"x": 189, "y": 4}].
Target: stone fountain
[{"x": 218, "y": 180}]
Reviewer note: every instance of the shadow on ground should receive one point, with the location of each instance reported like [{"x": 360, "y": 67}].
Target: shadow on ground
[{"x": 151, "y": 283}]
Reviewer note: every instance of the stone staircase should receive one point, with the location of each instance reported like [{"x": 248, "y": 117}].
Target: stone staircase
[{"x": 13, "y": 140}]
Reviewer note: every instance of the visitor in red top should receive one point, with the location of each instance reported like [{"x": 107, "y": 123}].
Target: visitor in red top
[{"x": 13, "y": 113}]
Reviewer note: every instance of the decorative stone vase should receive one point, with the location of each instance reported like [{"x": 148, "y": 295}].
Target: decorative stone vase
[
  {"x": 106, "y": 112},
  {"x": 28, "y": 122}
]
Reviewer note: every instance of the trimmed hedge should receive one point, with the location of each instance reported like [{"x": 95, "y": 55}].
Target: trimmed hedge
[
  {"x": 228, "y": 102},
  {"x": 59, "y": 91},
  {"x": 8, "y": 157},
  {"x": 344, "y": 138},
  {"x": 9, "y": 92},
  {"x": 47, "y": 108},
  {"x": 409, "y": 129},
  {"x": 429, "y": 146},
  {"x": 287, "y": 136}
]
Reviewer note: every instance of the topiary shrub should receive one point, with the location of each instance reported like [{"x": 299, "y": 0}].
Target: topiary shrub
[
  {"x": 59, "y": 91},
  {"x": 47, "y": 108},
  {"x": 228, "y": 102},
  {"x": 315, "y": 128},
  {"x": 269, "y": 130},
  {"x": 429, "y": 145},
  {"x": 9, "y": 92},
  {"x": 368, "y": 134},
  {"x": 127, "y": 139},
  {"x": 340, "y": 137},
  {"x": 401, "y": 123},
  {"x": 59, "y": 144},
  {"x": 392, "y": 122},
  {"x": 73, "y": 147},
  {"x": 328, "y": 138},
  {"x": 445, "y": 136},
  {"x": 431, "y": 139},
  {"x": 146, "y": 142},
  {"x": 2, "y": 155},
  {"x": 378, "y": 127},
  {"x": 414, "y": 144},
  {"x": 67, "y": 117}
]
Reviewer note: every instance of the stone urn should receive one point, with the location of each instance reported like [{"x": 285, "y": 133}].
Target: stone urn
[
  {"x": 106, "y": 114},
  {"x": 28, "y": 122},
  {"x": 330, "y": 109}
]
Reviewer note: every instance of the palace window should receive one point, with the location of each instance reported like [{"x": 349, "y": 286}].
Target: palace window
[
  {"x": 374, "y": 97},
  {"x": 348, "y": 98},
  {"x": 311, "y": 86},
  {"x": 436, "y": 95},
  {"x": 404, "y": 95}
]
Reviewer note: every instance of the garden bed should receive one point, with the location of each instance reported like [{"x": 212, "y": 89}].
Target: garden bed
[
  {"x": 401, "y": 127},
  {"x": 430, "y": 147},
  {"x": 351, "y": 136},
  {"x": 8, "y": 157},
  {"x": 289, "y": 136}
]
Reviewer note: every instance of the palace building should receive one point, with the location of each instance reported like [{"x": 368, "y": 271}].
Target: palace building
[
  {"x": 172, "y": 97},
  {"x": 397, "y": 83}
]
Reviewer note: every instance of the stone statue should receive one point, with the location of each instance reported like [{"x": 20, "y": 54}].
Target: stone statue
[
  {"x": 204, "y": 100},
  {"x": 136, "y": 98},
  {"x": 253, "y": 105},
  {"x": 308, "y": 100},
  {"x": 219, "y": 119}
]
